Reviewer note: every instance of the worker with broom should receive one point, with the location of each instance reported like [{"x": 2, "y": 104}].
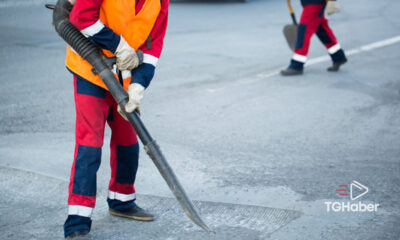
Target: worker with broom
[{"x": 312, "y": 21}]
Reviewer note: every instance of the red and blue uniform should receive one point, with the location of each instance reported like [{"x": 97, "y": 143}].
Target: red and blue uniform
[
  {"x": 95, "y": 106},
  {"x": 312, "y": 21}
]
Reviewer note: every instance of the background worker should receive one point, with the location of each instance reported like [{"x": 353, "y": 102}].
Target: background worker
[
  {"x": 312, "y": 21},
  {"x": 119, "y": 28}
]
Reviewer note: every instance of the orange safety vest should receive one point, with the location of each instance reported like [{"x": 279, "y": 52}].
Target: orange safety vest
[{"x": 121, "y": 17}]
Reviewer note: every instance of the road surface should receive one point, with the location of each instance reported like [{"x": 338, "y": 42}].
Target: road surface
[{"x": 260, "y": 154}]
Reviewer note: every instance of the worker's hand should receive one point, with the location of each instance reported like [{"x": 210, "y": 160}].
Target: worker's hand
[
  {"x": 332, "y": 7},
  {"x": 135, "y": 92},
  {"x": 127, "y": 58}
]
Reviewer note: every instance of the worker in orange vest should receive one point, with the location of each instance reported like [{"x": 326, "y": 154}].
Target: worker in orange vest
[{"x": 120, "y": 29}]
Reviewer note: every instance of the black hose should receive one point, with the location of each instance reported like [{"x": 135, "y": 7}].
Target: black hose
[
  {"x": 68, "y": 32},
  {"x": 50, "y": 6},
  {"x": 86, "y": 49}
]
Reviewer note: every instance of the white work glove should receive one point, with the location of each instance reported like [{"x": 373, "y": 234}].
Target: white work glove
[
  {"x": 135, "y": 92},
  {"x": 127, "y": 58},
  {"x": 332, "y": 7}
]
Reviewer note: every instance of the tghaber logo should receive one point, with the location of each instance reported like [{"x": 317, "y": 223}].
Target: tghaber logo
[
  {"x": 356, "y": 191},
  {"x": 361, "y": 188}
]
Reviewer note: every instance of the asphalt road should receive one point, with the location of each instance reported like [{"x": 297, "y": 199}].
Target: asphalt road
[{"x": 234, "y": 131}]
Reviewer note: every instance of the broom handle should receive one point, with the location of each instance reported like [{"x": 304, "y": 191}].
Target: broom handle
[{"x": 291, "y": 12}]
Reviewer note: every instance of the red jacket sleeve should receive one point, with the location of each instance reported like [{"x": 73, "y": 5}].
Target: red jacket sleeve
[
  {"x": 85, "y": 16},
  {"x": 157, "y": 36},
  {"x": 85, "y": 13}
]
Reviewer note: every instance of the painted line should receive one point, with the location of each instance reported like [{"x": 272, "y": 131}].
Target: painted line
[
  {"x": 312, "y": 61},
  {"x": 365, "y": 48}
]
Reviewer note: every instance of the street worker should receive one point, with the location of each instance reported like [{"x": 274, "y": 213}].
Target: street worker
[
  {"x": 312, "y": 21},
  {"x": 120, "y": 28}
]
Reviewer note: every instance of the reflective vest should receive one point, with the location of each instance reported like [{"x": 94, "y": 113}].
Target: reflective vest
[{"x": 121, "y": 17}]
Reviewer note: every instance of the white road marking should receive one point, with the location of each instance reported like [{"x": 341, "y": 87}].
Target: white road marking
[
  {"x": 312, "y": 61},
  {"x": 365, "y": 48}
]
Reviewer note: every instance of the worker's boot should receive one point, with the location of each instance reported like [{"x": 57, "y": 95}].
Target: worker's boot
[
  {"x": 336, "y": 65},
  {"x": 291, "y": 71},
  {"x": 135, "y": 213},
  {"x": 79, "y": 235}
]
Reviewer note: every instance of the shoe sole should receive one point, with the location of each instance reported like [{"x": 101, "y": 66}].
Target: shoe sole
[
  {"x": 330, "y": 69},
  {"x": 289, "y": 75},
  {"x": 144, "y": 219}
]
